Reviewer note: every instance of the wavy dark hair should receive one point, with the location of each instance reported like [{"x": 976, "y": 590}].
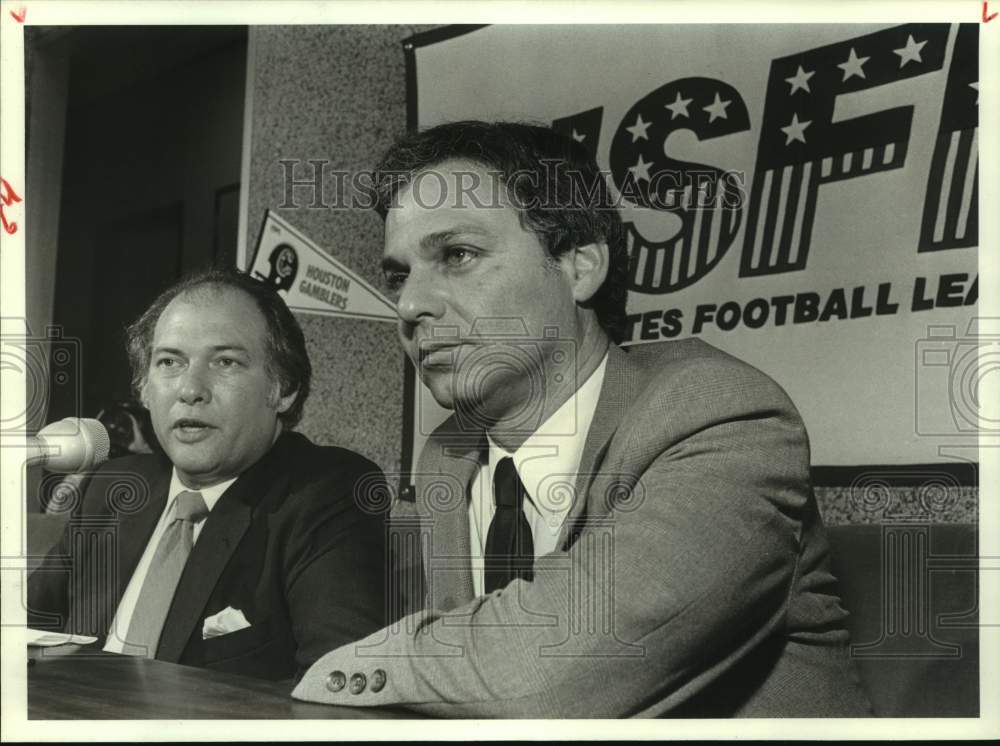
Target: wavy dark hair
[
  {"x": 554, "y": 182},
  {"x": 288, "y": 360}
]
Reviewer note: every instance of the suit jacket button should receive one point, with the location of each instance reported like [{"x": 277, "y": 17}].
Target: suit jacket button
[
  {"x": 378, "y": 680},
  {"x": 336, "y": 681},
  {"x": 358, "y": 682}
]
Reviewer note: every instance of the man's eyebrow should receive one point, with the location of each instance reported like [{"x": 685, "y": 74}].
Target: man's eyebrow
[
  {"x": 214, "y": 348},
  {"x": 433, "y": 240},
  {"x": 229, "y": 348}
]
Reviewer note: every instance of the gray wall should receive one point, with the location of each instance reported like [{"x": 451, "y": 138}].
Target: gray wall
[{"x": 336, "y": 93}]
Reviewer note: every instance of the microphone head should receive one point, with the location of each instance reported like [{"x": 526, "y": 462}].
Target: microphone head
[
  {"x": 75, "y": 444},
  {"x": 98, "y": 441}
]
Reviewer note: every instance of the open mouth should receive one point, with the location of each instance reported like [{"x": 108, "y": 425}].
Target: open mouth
[{"x": 189, "y": 430}]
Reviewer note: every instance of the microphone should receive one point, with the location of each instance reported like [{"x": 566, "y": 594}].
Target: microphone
[{"x": 70, "y": 445}]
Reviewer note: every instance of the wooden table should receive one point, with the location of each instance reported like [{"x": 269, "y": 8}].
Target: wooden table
[{"x": 78, "y": 683}]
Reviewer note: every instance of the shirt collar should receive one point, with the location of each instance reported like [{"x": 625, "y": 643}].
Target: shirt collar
[
  {"x": 548, "y": 460},
  {"x": 210, "y": 495}
]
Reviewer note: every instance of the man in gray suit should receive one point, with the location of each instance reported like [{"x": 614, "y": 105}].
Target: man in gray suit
[{"x": 605, "y": 532}]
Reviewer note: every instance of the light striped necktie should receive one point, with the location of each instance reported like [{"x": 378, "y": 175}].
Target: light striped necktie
[{"x": 163, "y": 575}]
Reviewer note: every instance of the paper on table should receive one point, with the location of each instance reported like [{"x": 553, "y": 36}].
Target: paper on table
[{"x": 38, "y": 638}]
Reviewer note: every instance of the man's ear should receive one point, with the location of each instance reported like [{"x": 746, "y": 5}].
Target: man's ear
[
  {"x": 283, "y": 403},
  {"x": 142, "y": 393},
  {"x": 589, "y": 268}
]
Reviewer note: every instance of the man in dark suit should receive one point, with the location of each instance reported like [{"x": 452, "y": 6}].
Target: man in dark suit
[
  {"x": 611, "y": 532},
  {"x": 243, "y": 547}
]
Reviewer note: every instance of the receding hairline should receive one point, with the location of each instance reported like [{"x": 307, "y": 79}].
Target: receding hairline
[
  {"x": 202, "y": 287},
  {"x": 206, "y": 294},
  {"x": 201, "y": 295}
]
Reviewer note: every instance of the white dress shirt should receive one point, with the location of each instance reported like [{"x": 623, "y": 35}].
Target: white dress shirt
[
  {"x": 547, "y": 463},
  {"x": 123, "y": 616}
]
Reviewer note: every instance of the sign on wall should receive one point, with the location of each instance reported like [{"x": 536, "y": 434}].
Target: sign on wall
[
  {"x": 802, "y": 196},
  {"x": 310, "y": 280}
]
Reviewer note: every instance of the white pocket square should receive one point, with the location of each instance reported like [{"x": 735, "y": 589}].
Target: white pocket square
[{"x": 226, "y": 621}]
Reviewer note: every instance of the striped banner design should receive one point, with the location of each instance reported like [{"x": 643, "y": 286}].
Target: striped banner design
[
  {"x": 951, "y": 212},
  {"x": 783, "y": 199},
  {"x": 708, "y": 232}
]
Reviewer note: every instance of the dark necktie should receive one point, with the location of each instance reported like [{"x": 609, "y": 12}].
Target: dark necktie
[
  {"x": 510, "y": 551},
  {"x": 162, "y": 576}
]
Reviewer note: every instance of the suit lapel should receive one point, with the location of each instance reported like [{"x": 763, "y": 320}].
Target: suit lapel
[
  {"x": 136, "y": 528},
  {"x": 447, "y": 471},
  {"x": 95, "y": 609},
  {"x": 616, "y": 395},
  {"x": 221, "y": 535}
]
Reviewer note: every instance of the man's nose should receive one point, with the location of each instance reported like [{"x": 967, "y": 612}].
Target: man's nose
[
  {"x": 422, "y": 298},
  {"x": 194, "y": 385}
]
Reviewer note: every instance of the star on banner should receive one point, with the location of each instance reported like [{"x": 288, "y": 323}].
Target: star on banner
[
  {"x": 717, "y": 109},
  {"x": 911, "y": 51},
  {"x": 975, "y": 87},
  {"x": 578, "y": 137},
  {"x": 853, "y": 65},
  {"x": 795, "y": 130},
  {"x": 800, "y": 81},
  {"x": 641, "y": 169},
  {"x": 679, "y": 108},
  {"x": 638, "y": 129}
]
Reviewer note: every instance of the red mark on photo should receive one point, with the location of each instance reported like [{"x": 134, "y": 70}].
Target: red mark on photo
[
  {"x": 22, "y": 12},
  {"x": 7, "y": 197},
  {"x": 991, "y": 16}
]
